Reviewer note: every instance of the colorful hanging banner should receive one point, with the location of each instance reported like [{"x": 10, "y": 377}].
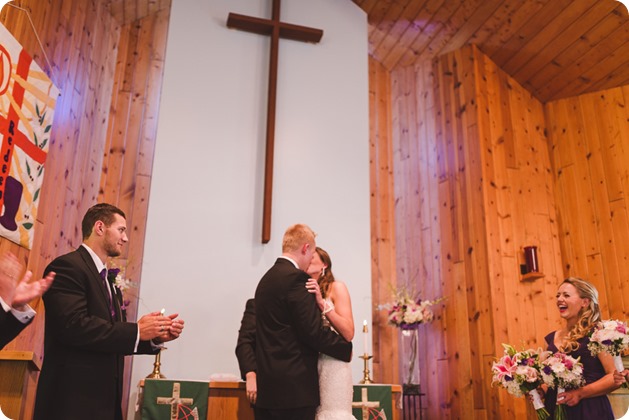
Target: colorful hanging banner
[{"x": 27, "y": 104}]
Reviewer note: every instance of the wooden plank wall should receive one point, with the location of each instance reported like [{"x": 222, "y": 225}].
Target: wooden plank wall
[
  {"x": 130, "y": 142},
  {"x": 589, "y": 137},
  {"x": 383, "y": 271},
  {"x": 103, "y": 133},
  {"x": 419, "y": 255},
  {"x": 473, "y": 185},
  {"x": 520, "y": 210}
]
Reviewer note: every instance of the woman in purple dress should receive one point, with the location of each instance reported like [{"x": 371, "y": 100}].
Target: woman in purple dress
[{"x": 577, "y": 301}]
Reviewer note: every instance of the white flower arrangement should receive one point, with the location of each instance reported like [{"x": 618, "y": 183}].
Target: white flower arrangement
[
  {"x": 609, "y": 336},
  {"x": 408, "y": 310}
]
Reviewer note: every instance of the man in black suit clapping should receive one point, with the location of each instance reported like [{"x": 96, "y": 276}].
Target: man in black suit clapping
[{"x": 87, "y": 334}]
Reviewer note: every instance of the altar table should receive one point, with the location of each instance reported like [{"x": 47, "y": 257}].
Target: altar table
[{"x": 227, "y": 400}]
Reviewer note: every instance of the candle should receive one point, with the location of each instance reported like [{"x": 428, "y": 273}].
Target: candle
[{"x": 365, "y": 336}]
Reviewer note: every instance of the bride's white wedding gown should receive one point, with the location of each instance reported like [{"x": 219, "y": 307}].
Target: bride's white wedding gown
[{"x": 335, "y": 388}]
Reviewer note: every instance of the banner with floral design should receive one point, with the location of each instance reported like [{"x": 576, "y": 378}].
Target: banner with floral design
[{"x": 27, "y": 104}]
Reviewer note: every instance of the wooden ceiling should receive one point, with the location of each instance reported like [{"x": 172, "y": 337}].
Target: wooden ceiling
[
  {"x": 127, "y": 11},
  {"x": 554, "y": 48}
]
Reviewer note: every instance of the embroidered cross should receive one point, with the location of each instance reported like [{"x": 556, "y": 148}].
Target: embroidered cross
[
  {"x": 364, "y": 404},
  {"x": 175, "y": 400}
]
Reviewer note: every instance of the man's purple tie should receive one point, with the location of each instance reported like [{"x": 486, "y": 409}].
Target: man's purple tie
[{"x": 103, "y": 275}]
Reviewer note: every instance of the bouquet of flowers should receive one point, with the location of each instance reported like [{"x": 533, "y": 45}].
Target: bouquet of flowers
[
  {"x": 520, "y": 373},
  {"x": 562, "y": 372},
  {"x": 408, "y": 310},
  {"x": 610, "y": 336}
]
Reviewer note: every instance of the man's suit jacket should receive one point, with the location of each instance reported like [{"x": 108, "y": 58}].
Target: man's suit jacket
[
  {"x": 10, "y": 327},
  {"x": 289, "y": 337},
  {"x": 246, "y": 346},
  {"x": 84, "y": 348}
]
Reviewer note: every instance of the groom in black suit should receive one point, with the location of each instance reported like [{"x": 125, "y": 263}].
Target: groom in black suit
[{"x": 289, "y": 334}]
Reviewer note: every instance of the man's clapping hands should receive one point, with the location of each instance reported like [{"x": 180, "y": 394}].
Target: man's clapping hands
[
  {"x": 160, "y": 328},
  {"x": 17, "y": 293}
]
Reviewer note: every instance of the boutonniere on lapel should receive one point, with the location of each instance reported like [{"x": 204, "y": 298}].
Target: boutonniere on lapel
[{"x": 116, "y": 278}]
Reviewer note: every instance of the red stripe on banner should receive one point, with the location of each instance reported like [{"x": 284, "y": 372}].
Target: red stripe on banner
[
  {"x": 9, "y": 129},
  {"x": 23, "y": 142}
]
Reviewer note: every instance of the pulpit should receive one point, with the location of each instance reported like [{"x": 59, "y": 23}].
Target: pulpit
[
  {"x": 18, "y": 370},
  {"x": 228, "y": 400}
]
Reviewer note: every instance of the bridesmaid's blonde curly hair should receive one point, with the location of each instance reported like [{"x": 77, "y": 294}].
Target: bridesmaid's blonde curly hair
[{"x": 588, "y": 316}]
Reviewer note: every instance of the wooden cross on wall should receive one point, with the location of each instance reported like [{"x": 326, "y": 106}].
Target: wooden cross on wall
[{"x": 276, "y": 29}]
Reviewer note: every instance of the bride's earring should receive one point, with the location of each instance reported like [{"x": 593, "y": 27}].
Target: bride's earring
[{"x": 322, "y": 272}]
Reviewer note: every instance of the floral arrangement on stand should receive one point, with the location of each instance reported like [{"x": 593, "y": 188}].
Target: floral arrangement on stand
[
  {"x": 407, "y": 312},
  {"x": 562, "y": 372},
  {"x": 611, "y": 337},
  {"x": 520, "y": 373}
]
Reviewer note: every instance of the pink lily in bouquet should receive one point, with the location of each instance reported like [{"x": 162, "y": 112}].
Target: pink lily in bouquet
[{"x": 520, "y": 373}]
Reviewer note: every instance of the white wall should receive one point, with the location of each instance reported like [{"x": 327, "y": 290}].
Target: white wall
[{"x": 203, "y": 255}]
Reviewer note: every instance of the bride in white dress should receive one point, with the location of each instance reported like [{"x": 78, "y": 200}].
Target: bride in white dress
[{"x": 335, "y": 376}]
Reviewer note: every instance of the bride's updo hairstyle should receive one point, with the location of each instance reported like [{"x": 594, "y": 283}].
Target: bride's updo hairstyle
[
  {"x": 326, "y": 278},
  {"x": 588, "y": 316}
]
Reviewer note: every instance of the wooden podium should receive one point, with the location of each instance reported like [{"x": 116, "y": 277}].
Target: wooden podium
[
  {"x": 18, "y": 370},
  {"x": 228, "y": 400}
]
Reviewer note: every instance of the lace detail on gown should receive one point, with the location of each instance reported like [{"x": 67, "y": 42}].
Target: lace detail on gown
[{"x": 335, "y": 388}]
